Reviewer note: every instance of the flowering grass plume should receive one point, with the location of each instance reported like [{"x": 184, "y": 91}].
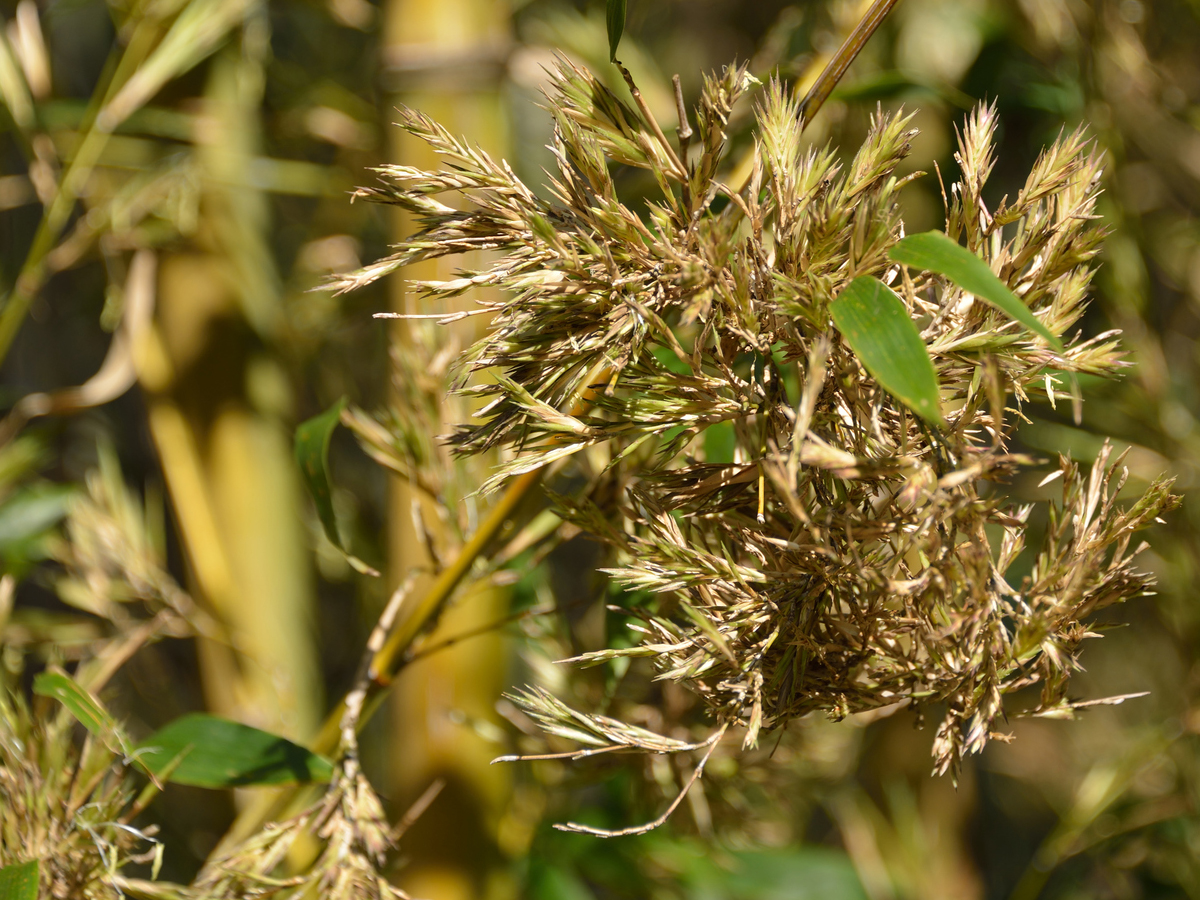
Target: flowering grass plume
[{"x": 846, "y": 555}]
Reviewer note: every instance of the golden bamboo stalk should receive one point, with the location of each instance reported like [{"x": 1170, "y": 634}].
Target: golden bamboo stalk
[
  {"x": 445, "y": 57},
  {"x": 218, "y": 416}
]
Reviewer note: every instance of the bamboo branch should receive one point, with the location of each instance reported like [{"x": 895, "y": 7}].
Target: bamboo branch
[
  {"x": 833, "y": 72},
  {"x": 829, "y": 78},
  {"x": 650, "y": 826},
  {"x": 393, "y": 656}
]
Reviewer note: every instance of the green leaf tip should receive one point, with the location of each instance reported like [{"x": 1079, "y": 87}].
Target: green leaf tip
[
  {"x": 935, "y": 252},
  {"x": 210, "y": 752},
  {"x": 312, "y": 455},
  {"x": 83, "y": 705},
  {"x": 19, "y": 881},
  {"x": 614, "y": 17},
  {"x": 880, "y": 331}
]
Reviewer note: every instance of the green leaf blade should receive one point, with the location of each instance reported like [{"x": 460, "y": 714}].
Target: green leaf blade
[
  {"x": 32, "y": 511},
  {"x": 311, "y": 446},
  {"x": 211, "y": 752},
  {"x": 312, "y": 455},
  {"x": 84, "y": 706},
  {"x": 935, "y": 252},
  {"x": 19, "y": 881},
  {"x": 614, "y": 18},
  {"x": 878, "y": 328}
]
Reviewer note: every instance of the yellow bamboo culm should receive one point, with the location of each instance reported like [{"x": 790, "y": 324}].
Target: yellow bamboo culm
[
  {"x": 219, "y": 417},
  {"x": 446, "y": 58}
]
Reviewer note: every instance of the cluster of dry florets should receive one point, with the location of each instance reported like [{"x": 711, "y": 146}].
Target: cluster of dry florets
[
  {"x": 71, "y": 808},
  {"x": 841, "y": 560},
  {"x": 356, "y": 837},
  {"x": 74, "y": 808}
]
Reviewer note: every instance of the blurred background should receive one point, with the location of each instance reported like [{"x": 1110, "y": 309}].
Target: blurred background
[{"x": 226, "y": 135}]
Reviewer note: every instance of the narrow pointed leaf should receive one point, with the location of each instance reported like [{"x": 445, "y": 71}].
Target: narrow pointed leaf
[
  {"x": 935, "y": 252},
  {"x": 614, "y": 16},
  {"x": 312, "y": 455},
  {"x": 196, "y": 33},
  {"x": 19, "y": 881},
  {"x": 210, "y": 752},
  {"x": 84, "y": 706},
  {"x": 878, "y": 328}
]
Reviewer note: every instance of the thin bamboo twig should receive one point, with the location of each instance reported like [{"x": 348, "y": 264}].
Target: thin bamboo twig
[
  {"x": 423, "y": 651},
  {"x": 672, "y": 157},
  {"x": 353, "y": 704},
  {"x": 57, "y": 213},
  {"x": 594, "y": 751},
  {"x": 846, "y": 54},
  {"x": 568, "y": 754},
  {"x": 392, "y": 656},
  {"x": 833, "y": 72},
  {"x": 419, "y": 806},
  {"x": 684, "y": 133},
  {"x": 387, "y": 661},
  {"x": 650, "y": 826}
]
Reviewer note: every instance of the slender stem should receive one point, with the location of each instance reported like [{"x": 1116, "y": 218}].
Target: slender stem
[
  {"x": 56, "y": 215},
  {"x": 387, "y": 662},
  {"x": 423, "y": 650},
  {"x": 391, "y": 657},
  {"x": 826, "y": 81},
  {"x": 650, "y": 826},
  {"x": 33, "y": 270},
  {"x": 672, "y": 157},
  {"x": 829, "y": 78},
  {"x": 684, "y": 131}
]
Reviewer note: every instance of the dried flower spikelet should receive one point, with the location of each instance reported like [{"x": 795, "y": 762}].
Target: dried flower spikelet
[
  {"x": 112, "y": 565},
  {"x": 356, "y": 837},
  {"x": 70, "y": 807},
  {"x": 838, "y": 559}
]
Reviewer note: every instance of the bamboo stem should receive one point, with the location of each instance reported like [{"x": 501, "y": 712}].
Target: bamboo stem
[
  {"x": 57, "y": 213},
  {"x": 846, "y": 54},
  {"x": 391, "y": 658}
]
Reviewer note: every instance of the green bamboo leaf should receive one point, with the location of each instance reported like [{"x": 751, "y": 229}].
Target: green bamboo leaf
[
  {"x": 84, "y": 706},
  {"x": 19, "y": 881},
  {"x": 210, "y": 752},
  {"x": 33, "y": 511},
  {"x": 614, "y": 17},
  {"x": 935, "y": 252},
  {"x": 202, "y": 27},
  {"x": 878, "y": 328},
  {"x": 13, "y": 87},
  {"x": 312, "y": 454}
]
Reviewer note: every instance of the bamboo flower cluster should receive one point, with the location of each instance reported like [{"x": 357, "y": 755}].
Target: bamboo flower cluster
[{"x": 847, "y": 555}]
